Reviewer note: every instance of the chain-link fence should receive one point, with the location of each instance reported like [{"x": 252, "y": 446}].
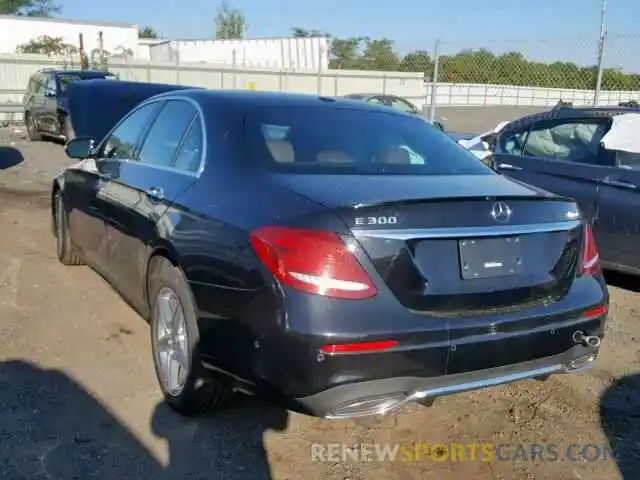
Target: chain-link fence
[{"x": 530, "y": 73}]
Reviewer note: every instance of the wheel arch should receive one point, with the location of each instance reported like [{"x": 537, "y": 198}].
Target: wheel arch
[
  {"x": 55, "y": 189},
  {"x": 161, "y": 249}
]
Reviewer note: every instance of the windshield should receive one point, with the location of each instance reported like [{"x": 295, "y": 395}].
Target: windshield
[
  {"x": 65, "y": 80},
  {"x": 353, "y": 141}
]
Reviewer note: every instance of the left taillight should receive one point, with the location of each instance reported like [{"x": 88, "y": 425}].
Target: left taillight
[
  {"x": 590, "y": 257},
  {"x": 313, "y": 261}
]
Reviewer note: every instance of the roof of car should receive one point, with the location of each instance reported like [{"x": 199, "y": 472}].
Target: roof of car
[
  {"x": 369, "y": 95},
  {"x": 567, "y": 112},
  {"x": 275, "y": 99},
  {"x": 78, "y": 73}
]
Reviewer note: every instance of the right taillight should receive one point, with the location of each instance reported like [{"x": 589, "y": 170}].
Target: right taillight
[
  {"x": 590, "y": 258},
  {"x": 313, "y": 261}
]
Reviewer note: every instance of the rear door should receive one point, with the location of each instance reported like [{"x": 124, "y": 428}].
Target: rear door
[
  {"x": 146, "y": 187},
  {"x": 560, "y": 156},
  {"x": 618, "y": 217}
]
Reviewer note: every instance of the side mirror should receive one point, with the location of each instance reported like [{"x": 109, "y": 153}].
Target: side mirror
[{"x": 80, "y": 147}]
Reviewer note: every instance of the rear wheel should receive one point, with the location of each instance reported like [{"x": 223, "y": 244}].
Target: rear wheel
[
  {"x": 186, "y": 386},
  {"x": 32, "y": 130},
  {"x": 68, "y": 254}
]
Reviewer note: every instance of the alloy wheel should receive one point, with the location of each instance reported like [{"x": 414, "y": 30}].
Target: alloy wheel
[{"x": 170, "y": 341}]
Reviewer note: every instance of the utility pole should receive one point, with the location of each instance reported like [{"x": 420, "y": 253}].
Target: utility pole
[{"x": 601, "y": 45}]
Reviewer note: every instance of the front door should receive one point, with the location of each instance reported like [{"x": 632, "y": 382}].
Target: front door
[{"x": 146, "y": 187}]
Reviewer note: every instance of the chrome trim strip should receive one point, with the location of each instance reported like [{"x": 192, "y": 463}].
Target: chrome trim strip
[
  {"x": 162, "y": 97},
  {"x": 465, "y": 232},
  {"x": 475, "y": 385},
  {"x": 489, "y": 382}
]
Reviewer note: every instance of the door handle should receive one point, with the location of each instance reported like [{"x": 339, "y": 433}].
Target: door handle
[
  {"x": 615, "y": 182},
  {"x": 508, "y": 166},
  {"x": 156, "y": 193}
]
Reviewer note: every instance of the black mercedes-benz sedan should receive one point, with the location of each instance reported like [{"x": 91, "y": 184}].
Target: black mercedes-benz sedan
[{"x": 340, "y": 257}]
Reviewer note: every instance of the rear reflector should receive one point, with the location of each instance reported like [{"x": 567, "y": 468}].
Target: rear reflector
[
  {"x": 590, "y": 257},
  {"x": 596, "y": 312},
  {"x": 359, "y": 347},
  {"x": 314, "y": 261}
]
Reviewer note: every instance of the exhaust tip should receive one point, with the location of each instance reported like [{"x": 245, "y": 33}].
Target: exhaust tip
[{"x": 581, "y": 363}]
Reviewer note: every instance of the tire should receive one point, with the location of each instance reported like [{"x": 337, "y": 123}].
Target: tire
[
  {"x": 196, "y": 390},
  {"x": 68, "y": 253},
  {"x": 32, "y": 130},
  {"x": 66, "y": 128}
]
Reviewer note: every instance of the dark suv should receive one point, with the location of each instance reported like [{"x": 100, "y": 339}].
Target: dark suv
[{"x": 45, "y": 101}]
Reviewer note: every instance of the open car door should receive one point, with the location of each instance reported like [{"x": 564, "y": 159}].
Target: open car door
[{"x": 95, "y": 106}]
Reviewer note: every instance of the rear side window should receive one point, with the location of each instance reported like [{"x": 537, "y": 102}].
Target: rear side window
[
  {"x": 190, "y": 154},
  {"x": 321, "y": 139}
]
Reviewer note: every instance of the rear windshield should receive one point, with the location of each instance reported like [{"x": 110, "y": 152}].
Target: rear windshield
[
  {"x": 352, "y": 141},
  {"x": 65, "y": 80}
]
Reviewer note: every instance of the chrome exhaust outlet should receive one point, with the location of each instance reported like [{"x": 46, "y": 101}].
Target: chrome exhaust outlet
[
  {"x": 589, "y": 341},
  {"x": 581, "y": 363}
]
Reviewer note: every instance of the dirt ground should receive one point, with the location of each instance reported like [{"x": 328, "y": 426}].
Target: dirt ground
[{"x": 78, "y": 397}]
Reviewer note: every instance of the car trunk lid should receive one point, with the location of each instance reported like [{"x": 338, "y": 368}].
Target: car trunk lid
[{"x": 457, "y": 246}]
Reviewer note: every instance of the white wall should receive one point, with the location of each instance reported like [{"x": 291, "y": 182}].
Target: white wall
[
  {"x": 16, "y": 69},
  {"x": 15, "y": 31},
  {"x": 290, "y": 53}
]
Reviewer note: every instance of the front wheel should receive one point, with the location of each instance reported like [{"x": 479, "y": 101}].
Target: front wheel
[
  {"x": 32, "y": 130},
  {"x": 187, "y": 387}
]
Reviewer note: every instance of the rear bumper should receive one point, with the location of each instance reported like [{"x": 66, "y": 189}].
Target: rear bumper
[{"x": 383, "y": 396}]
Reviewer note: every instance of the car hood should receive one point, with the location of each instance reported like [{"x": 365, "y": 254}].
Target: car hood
[
  {"x": 96, "y": 105},
  {"x": 340, "y": 190}
]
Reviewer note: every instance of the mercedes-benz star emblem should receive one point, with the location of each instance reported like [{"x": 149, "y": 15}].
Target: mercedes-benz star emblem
[{"x": 500, "y": 212}]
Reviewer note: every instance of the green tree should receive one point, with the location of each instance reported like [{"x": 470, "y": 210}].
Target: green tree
[
  {"x": 345, "y": 53},
  {"x": 147, "y": 32},
  {"x": 230, "y": 23},
  {"x": 31, "y": 8},
  {"x": 45, "y": 45},
  {"x": 379, "y": 55},
  {"x": 418, "y": 61},
  {"x": 303, "y": 33}
]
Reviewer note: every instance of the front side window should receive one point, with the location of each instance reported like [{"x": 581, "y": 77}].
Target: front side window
[
  {"x": 512, "y": 143},
  {"x": 161, "y": 144},
  {"x": 122, "y": 142},
  {"x": 50, "y": 83},
  {"x": 318, "y": 139},
  {"x": 573, "y": 141}
]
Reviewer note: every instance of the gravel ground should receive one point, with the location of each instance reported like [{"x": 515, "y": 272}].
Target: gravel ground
[{"x": 78, "y": 397}]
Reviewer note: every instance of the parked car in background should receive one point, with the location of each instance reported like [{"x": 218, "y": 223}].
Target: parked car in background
[
  {"x": 591, "y": 155},
  {"x": 289, "y": 245},
  {"x": 46, "y": 110},
  {"x": 392, "y": 101}
]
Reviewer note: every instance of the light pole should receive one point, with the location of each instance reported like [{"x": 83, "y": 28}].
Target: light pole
[{"x": 601, "y": 44}]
